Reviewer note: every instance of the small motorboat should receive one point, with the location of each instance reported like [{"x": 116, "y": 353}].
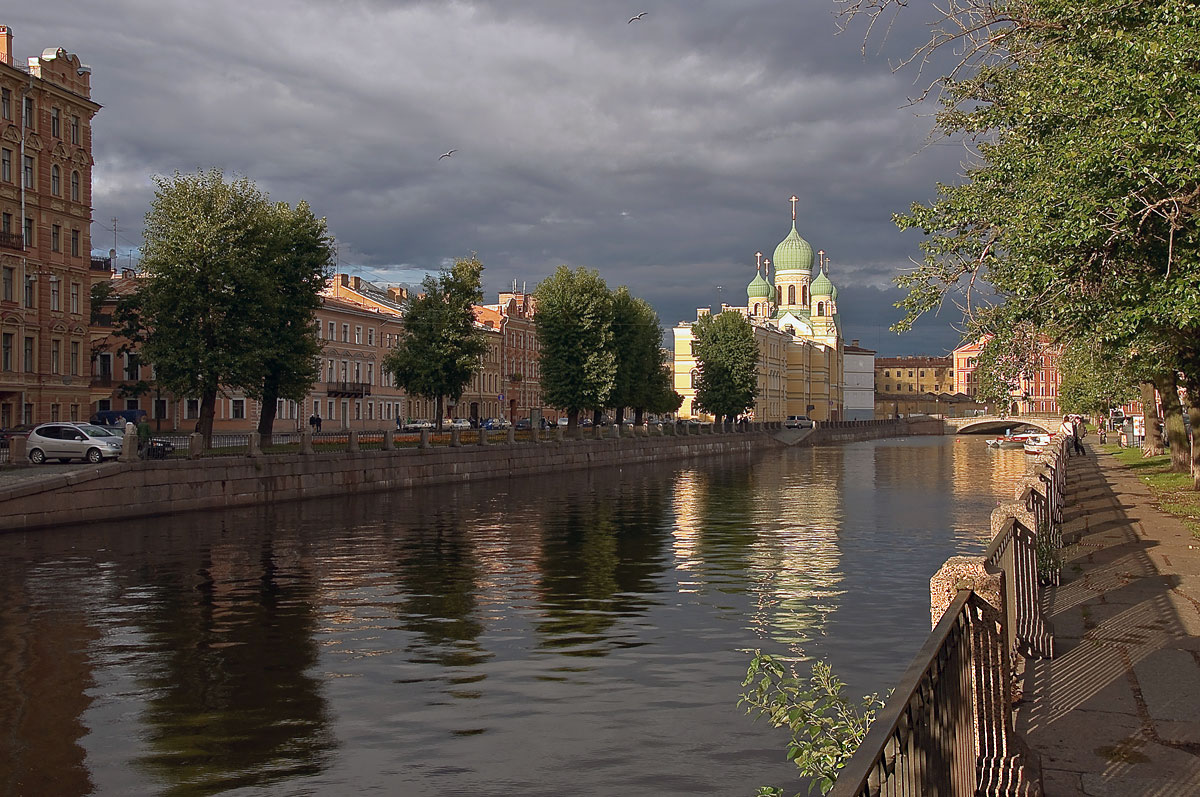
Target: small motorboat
[
  {"x": 1038, "y": 443},
  {"x": 1009, "y": 440}
]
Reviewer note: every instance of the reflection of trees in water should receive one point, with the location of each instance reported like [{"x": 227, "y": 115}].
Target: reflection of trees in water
[
  {"x": 439, "y": 572},
  {"x": 601, "y": 555},
  {"x": 232, "y": 642},
  {"x": 45, "y": 675}
]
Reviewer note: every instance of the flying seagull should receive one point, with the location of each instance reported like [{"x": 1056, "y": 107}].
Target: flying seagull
[
  {"x": 447, "y": 154},
  {"x": 638, "y": 17}
]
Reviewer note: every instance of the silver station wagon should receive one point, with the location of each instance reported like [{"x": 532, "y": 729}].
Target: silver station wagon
[{"x": 67, "y": 441}]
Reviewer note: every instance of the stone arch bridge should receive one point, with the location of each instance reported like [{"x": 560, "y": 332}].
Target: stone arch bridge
[{"x": 985, "y": 424}]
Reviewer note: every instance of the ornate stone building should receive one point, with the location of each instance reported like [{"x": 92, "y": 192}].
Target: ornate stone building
[{"x": 45, "y": 239}]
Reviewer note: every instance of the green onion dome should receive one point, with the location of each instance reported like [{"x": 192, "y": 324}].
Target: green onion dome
[
  {"x": 821, "y": 286},
  {"x": 793, "y": 253},
  {"x": 759, "y": 288}
]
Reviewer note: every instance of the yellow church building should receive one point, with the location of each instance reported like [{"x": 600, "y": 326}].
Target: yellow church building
[{"x": 799, "y": 337}]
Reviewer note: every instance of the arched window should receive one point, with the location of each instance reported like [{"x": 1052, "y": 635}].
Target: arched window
[
  {"x": 74, "y": 186},
  {"x": 778, "y": 295},
  {"x": 820, "y": 308},
  {"x": 756, "y": 306},
  {"x": 695, "y": 376},
  {"x": 791, "y": 294},
  {"x": 55, "y": 180},
  {"x": 804, "y": 295}
]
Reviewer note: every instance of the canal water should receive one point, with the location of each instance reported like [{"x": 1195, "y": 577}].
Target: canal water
[{"x": 581, "y": 634}]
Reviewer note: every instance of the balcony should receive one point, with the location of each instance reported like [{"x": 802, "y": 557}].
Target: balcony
[
  {"x": 347, "y": 389},
  {"x": 10, "y": 240}
]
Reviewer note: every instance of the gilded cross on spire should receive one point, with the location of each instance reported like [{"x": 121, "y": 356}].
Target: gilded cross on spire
[
  {"x": 821, "y": 259},
  {"x": 767, "y": 266},
  {"x": 758, "y": 261},
  {"x": 794, "y": 200}
]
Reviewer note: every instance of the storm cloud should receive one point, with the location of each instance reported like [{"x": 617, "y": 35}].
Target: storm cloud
[{"x": 661, "y": 152}]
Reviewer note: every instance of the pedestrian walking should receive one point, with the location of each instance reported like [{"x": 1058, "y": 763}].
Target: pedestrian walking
[
  {"x": 1078, "y": 431},
  {"x": 312, "y": 422},
  {"x": 318, "y": 423},
  {"x": 1067, "y": 432}
]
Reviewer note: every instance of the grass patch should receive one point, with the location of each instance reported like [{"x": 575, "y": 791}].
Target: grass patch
[{"x": 1172, "y": 492}]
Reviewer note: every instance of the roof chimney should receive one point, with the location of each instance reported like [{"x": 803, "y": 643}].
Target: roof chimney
[
  {"x": 6, "y": 44},
  {"x": 854, "y": 343}
]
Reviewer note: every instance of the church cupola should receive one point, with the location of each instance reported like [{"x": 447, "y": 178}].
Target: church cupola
[{"x": 793, "y": 269}]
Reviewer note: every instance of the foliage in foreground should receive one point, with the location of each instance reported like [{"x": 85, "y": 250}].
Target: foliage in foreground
[{"x": 826, "y": 728}]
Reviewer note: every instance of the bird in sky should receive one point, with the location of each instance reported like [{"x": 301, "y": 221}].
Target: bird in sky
[
  {"x": 638, "y": 17},
  {"x": 447, "y": 154}
]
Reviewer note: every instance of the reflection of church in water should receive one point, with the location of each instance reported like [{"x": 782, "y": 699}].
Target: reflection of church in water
[{"x": 798, "y": 332}]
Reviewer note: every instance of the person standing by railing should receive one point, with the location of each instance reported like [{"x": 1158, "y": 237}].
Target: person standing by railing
[{"x": 1067, "y": 431}]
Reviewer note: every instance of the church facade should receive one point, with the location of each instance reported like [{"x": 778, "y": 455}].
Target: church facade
[{"x": 798, "y": 332}]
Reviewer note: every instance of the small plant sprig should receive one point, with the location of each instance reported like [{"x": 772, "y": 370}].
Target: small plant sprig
[{"x": 826, "y": 728}]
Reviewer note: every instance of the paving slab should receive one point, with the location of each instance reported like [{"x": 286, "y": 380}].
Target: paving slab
[{"x": 1117, "y": 711}]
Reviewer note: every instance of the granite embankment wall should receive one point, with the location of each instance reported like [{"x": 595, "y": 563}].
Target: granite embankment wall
[{"x": 122, "y": 490}]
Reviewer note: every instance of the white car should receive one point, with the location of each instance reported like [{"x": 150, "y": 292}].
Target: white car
[
  {"x": 418, "y": 425},
  {"x": 460, "y": 423},
  {"x": 67, "y": 441}
]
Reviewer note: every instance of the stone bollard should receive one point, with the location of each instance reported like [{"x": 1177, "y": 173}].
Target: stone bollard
[
  {"x": 483, "y": 436},
  {"x": 617, "y": 430},
  {"x": 558, "y": 433},
  {"x": 960, "y": 572},
  {"x": 424, "y": 441},
  {"x": 306, "y": 445},
  {"x": 512, "y": 435},
  {"x": 255, "y": 447},
  {"x": 17, "y": 450},
  {"x": 352, "y": 441},
  {"x": 195, "y": 445},
  {"x": 598, "y": 431},
  {"x": 129, "y": 448},
  {"x": 389, "y": 440},
  {"x": 455, "y": 440}
]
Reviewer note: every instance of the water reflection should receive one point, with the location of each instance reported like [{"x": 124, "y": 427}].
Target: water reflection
[{"x": 582, "y": 633}]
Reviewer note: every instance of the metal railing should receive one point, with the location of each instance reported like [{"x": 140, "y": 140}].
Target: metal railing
[{"x": 948, "y": 727}]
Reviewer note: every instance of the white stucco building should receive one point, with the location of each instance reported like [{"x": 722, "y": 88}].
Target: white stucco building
[{"x": 858, "y": 391}]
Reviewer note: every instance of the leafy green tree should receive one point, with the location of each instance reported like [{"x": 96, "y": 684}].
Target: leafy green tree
[
  {"x": 637, "y": 342},
  {"x": 440, "y": 348},
  {"x": 1080, "y": 207},
  {"x": 299, "y": 256},
  {"x": 1094, "y": 380},
  {"x": 575, "y": 331},
  {"x": 196, "y": 314},
  {"x": 727, "y": 358}
]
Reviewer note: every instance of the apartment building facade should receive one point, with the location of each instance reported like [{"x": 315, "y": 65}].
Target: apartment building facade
[
  {"x": 46, "y": 113},
  {"x": 914, "y": 374}
]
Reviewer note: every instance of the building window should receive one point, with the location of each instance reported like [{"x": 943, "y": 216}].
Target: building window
[
  {"x": 75, "y": 297},
  {"x": 159, "y": 408},
  {"x": 29, "y": 232},
  {"x": 74, "y": 243},
  {"x": 55, "y": 356},
  {"x": 345, "y": 333},
  {"x": 237, "y": 409},
  {"x": 6, "y": 223},
  {"x": 74, "y": 358},
  {"x": 29, "y": 369},
  {"x": 28, "y": 292},
  {"x": 75, "y": 412},
  {"x": 6, "y": 104},
  {"x": 6, "y": 165},
  {"x": 7, "y": 352},
  {"x": 54, "y": 411},
  {"x": 820, "y": 308},
  {"x": 56, "y": 180},
  {"x": 133, "y": 404},
  {"x": 74, "y": 186},
  {"x": 358, "y": 335},
  {"x": 695, "y": 376},
  {"x": 132, "y": 367},
  {"x": 332, "y": 331},
  {"x": 8, "y": 275},
  {"x": 791, "y": 294},
  {"x": 371, "y": 336},
  {"x": 191, "y": 409},
  {"x": 55, "y": 238},
  {"x": 55, "y": 294},
  {"x": 74, "y": 129},
  {"x": 55, "y": 123},
  {"x": 29, "y": 171},
  {"x": 29, "y": 112},
  {"x": 888, "y": 388}
]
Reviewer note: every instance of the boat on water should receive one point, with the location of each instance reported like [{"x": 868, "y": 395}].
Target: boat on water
[
  {"x": 1038, "y": 443},
  {"x": 1011, "y": 440}
]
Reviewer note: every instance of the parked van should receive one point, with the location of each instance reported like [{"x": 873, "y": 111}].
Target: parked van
[{"x": 799, "y": 422}]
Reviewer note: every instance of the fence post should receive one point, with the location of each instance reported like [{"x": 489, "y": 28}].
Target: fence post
[
  {"x": 306, "y": 441},
  {"x": 455, "y": 442},
  {"x": 17, "y": 452},
  {"x": 129, "y": 452},
  {"x": 352, "y": 442},
  {"x": 254, "y": 449},
  {"x": 558, "y": 433},
  {"x": 424, "y": 442},
  {"x": 483, "y": 436},
  {"x": 512, "y": 434},
  {"x": 389, "y": 441},
  {"x": 195, "y": 445}
]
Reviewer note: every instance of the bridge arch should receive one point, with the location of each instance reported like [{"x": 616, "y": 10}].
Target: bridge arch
[{"x": 995, "y": 424}]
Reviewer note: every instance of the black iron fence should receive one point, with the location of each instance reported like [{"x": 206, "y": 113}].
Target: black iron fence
[{"x": 948, "y": 727}]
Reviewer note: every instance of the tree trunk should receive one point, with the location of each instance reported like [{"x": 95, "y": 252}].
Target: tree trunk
[
  {"x": 597, "y": 416},
  {"x": 620, "y": 415},
  {"x": 437, "y": 408},
  {"x": 1192, "y": 382},
  {"x": 266, "y": 417},
  {"x": 572, "y": 421},
  {"x": 1168, "y": 389},
  {"x": 208, "y": 408},
  {"x": 639, "y": 415},
  {"x": 1151, "y": 444}
]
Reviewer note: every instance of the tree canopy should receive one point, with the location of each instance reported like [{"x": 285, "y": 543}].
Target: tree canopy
[
  {"x": 230, "y": 284},
  {"x": 440, "y": 348},
  {"x": 727, "y": 358},
  {"x": 575, "y": 331}
]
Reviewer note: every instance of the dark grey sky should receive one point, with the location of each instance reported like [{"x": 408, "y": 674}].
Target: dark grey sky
[{"x": 660, "y": 152}]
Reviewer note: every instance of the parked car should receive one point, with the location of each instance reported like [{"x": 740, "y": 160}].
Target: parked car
[
  {"x": 67, "y": 441},
  {"x": 418, "y": 424},
  {"x": 457, "y": 423},
  {"x": 563, "y": 421},
  {"x": 21, "y": 430},
  {"x": 524, "y": 424},
  {"x": 496, "y": 423},
  {"x": 799, "y": 422}
]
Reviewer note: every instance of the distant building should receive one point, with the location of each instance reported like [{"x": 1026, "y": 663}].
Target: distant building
[
  {"x": 45, "y": 235},
  {"x": 858, "y": 393},
  {"x": 1034, "y": 394},
  {"x": 518, "y": 392},
  {"x": 798, "y": 332},
  {"x": 914, "y": 374}
]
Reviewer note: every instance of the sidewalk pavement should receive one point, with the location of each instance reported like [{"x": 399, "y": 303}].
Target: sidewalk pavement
[{"x": 1117, "y": 711}]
